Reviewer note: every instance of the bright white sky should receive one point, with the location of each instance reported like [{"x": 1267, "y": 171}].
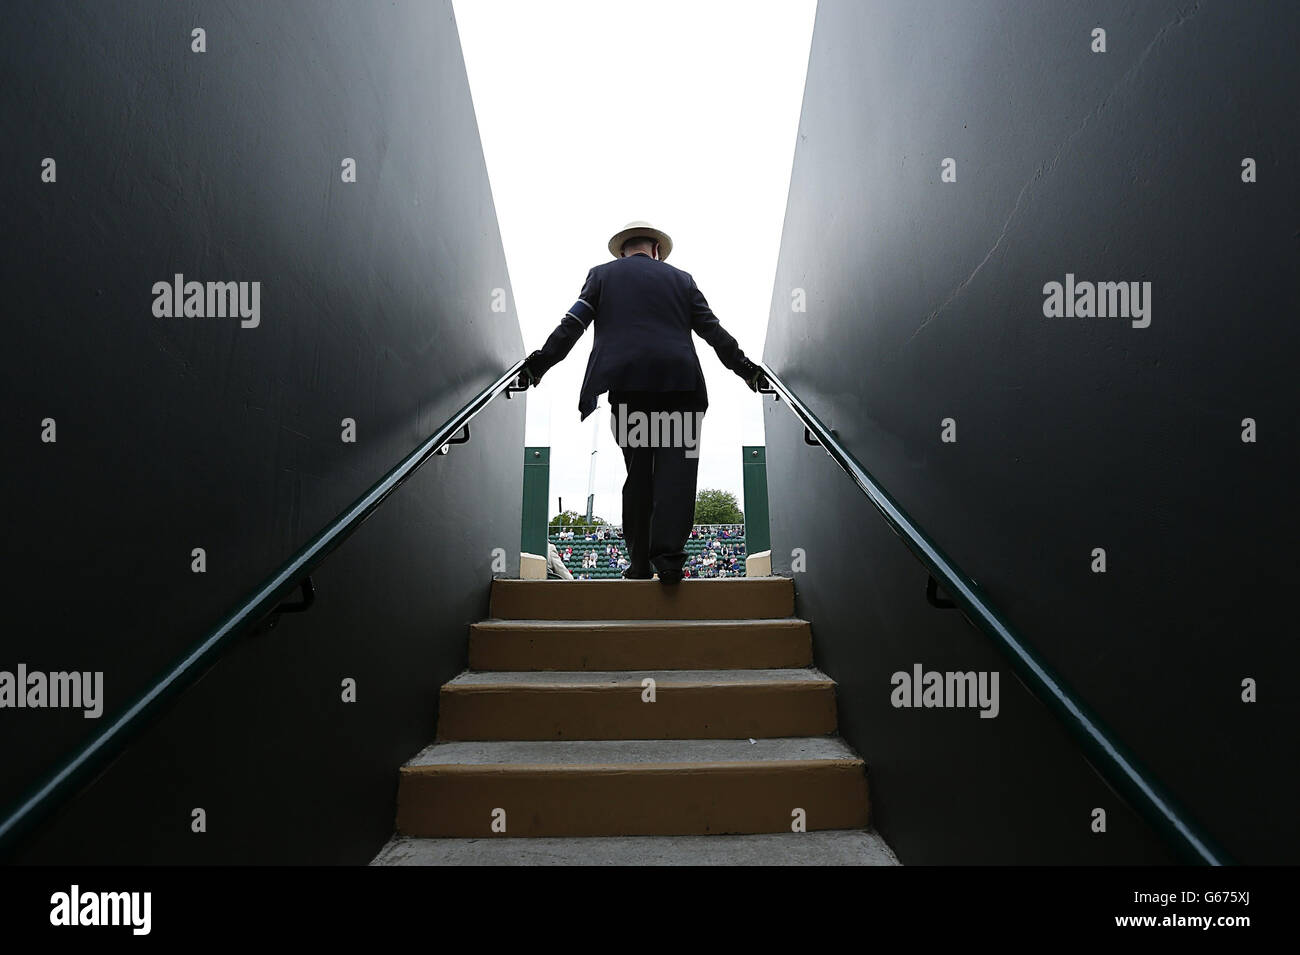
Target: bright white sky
[{"x": 593, "y": 113}]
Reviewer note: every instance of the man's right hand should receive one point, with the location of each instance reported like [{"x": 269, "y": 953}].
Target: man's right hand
[{"x": 527, "y": 375}]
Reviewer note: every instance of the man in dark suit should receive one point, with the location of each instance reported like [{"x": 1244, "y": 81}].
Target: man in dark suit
[{"x": 643, "y": 355}]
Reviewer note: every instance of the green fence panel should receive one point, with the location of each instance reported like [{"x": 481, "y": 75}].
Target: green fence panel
[
  {"x": 537, "y": 491},
  {"x": 758, "y": 536}
]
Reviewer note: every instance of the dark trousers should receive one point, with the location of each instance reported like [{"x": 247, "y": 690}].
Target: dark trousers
[{"x": 662, "y": 463}]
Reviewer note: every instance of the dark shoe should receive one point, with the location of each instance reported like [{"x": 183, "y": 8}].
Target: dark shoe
[
  {"x": 629, "y": 575},
  {"x": 670, "y": 577}
]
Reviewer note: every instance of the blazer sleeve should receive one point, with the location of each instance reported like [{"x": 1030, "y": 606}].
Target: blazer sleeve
[
  {"x": 570, "y": 329},
  {"x": 707, "y": 326}
]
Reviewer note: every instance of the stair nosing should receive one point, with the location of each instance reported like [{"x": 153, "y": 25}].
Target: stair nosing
[
  {"x": 737, "y": 765},
  {"x": 629, "y": 752},
  {"x": 495, "y": 623},
  {"x": 630, "y": 679}
]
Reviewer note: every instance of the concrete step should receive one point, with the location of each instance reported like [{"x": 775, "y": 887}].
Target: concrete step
[
  {"x": 833, "y": 847},
  {"x": 639, "y": 644},
  {"x": 606, "y": 705},
  {"x": 733, "y": 598},
  {"x": 639, "y": 787}
]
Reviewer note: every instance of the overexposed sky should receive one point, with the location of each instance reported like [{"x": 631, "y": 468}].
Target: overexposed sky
[{"x": 593, "y": 113}]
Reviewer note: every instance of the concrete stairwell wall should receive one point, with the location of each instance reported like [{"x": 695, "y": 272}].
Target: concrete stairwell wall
[
  {"x": 176, "y": 433},
  {"x": 923, "y": 301}
]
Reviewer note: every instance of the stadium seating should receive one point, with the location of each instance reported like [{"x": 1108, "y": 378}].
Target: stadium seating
[{"x": 728, "y": 553}]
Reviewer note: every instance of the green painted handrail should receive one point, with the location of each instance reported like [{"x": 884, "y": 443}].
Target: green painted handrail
[{"x": 1103, "y": 750}]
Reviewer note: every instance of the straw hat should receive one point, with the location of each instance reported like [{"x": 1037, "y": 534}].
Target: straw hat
[{"x": 635, "y": 230}]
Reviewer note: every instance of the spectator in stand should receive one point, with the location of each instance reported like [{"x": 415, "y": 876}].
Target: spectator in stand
[{"x": 555, "y": 568}]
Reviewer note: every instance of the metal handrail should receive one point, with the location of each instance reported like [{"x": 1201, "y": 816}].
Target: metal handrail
[
  {"x": 1116, "y": 764},
  {"x": 78, "y": 769}
]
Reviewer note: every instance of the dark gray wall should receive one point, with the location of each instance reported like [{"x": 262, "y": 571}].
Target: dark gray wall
[
  {"x": 925, "y": 301},
  {"x": 176, "y": 433}
]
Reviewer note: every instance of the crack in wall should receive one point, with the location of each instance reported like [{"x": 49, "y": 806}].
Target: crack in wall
[{"x": 1044, "y": 170}]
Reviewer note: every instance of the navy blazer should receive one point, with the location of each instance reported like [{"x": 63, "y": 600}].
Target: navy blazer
[{"x": 644, "y": 311}]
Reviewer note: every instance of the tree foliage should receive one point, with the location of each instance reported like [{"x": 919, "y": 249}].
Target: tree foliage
[
  {"x": 576, "y": 519},
  {"x": 715, "y": 506}
]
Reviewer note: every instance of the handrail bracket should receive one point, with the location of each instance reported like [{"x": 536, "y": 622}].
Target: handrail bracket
[{"x": 932, "y": 596}]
